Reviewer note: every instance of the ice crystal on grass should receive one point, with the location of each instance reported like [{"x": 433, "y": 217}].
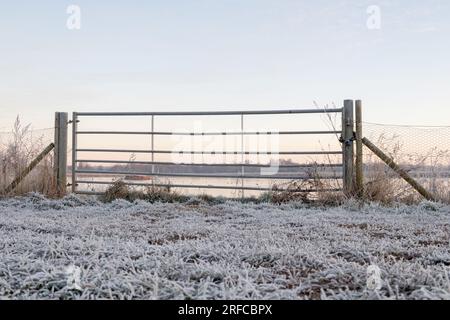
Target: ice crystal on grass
[{"x": 227, "y": 250}]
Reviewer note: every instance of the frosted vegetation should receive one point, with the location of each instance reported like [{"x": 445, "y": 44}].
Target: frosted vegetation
[{"x": 230, "y": 250}]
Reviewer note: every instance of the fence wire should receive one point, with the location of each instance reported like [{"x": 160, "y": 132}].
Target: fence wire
[
  {"x": 412, "y": 145},
  {"x": 422, "y": 151},
  {"x": 29, "y": 137}
]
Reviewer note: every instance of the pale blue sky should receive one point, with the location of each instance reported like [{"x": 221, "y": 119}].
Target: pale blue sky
[{"x": 225, "y": 54}]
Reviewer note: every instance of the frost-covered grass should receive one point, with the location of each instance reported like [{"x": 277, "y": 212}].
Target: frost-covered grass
[{"x": 225, "y": 251}]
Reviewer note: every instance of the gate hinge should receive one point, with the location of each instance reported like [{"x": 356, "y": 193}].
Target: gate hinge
[{"x": 71, "y": 121}]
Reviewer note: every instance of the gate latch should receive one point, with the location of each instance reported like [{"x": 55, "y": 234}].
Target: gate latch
[{"x": 347, "y": 142}]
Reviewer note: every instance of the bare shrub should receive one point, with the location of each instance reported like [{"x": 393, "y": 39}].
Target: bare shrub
[
  {"x": 162, "y": 194},
  {"x": 16, "y": 153},
  {"x": 380, "y": 185},
  {"x": 291, "y": 193},
  {"x": 383, "y": 185},
  {"x": 315, "y": 189},
  {"x": 120, "y": 190}
]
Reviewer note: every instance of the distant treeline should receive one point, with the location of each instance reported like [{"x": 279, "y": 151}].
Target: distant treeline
[{"x": 286, "y": 167}]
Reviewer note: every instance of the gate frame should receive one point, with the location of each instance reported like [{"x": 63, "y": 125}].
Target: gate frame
[{"x": 347, "y": 140}]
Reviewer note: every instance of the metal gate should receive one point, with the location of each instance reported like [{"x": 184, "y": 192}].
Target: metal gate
[{"x": 78, "y": 172}]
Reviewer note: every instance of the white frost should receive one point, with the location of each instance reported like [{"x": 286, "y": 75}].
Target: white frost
[{"x": 226, "y": 251}]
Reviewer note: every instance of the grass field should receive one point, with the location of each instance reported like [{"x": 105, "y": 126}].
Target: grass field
[{"x": 231, "y": 250}]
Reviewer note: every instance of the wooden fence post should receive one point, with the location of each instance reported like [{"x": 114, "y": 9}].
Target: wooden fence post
[
  {"x": 347, "y": 147},
  {"x": 28, "y": 169},
  {"x": 402, "y": 173},
  {"x": 60, "y": 159},
  {"x": 359, "y": 150}
]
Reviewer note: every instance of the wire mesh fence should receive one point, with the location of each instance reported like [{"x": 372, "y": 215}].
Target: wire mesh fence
[{"x": 423, "y": 151}]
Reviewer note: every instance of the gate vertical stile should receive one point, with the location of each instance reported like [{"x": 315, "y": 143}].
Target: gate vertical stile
[
  {"x": 153, "y": 150},
  {"x": 74, "y": 151},
  {"x": 242, "y": 156}
]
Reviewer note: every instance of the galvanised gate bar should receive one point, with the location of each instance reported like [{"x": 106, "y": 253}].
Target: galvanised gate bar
[{"x": 78, "y": 172}]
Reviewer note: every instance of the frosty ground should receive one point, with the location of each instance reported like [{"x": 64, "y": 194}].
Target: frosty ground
[{"x": 230, "y": 250}]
